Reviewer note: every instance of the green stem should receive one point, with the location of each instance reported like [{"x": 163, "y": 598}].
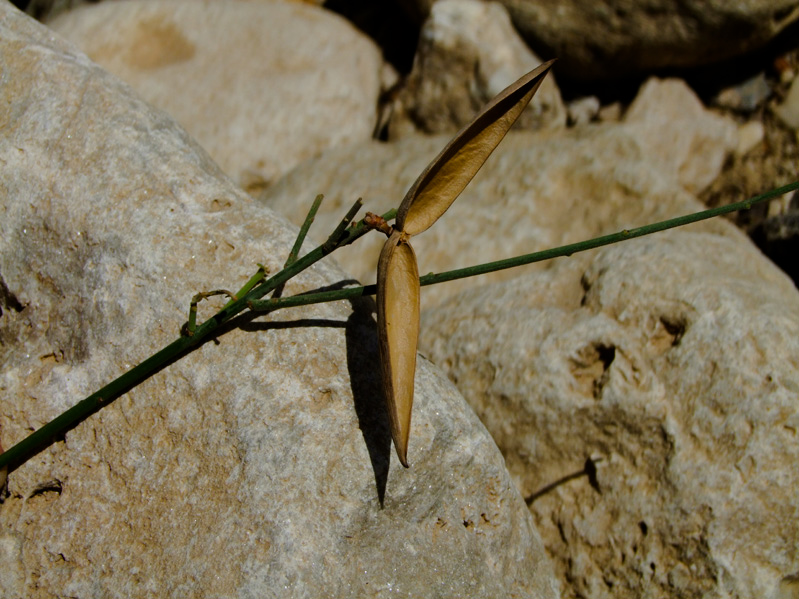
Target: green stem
[
  {"x": 295, "y": 251},
  {"x": 342, "y": 236},
  {"x": 336, "y": 235},
  {"x": 57, "y": 427},
  {"x": 306, "y": 225},
  {"x": 565, "y": 250},
  {"x": 624, "y": 235}
]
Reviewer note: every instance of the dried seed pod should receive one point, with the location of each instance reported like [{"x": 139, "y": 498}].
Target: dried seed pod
[
  {"x": 449, "y": 173},
  {"x": 398, "y": 332},
  {"x": 397, "y": 273}
]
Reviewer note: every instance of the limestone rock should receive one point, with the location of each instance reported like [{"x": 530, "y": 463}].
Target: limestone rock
[
  {"x": 249, "y": 468},
  {"x": 615, "y": 38},
  {"x": 538, "y": 190},
  {"x": 469, "y": 52},
  {"x": 261, "y": 85},
  {"x": 645, "y": 398},
  {"x": 684, "y": 138}
]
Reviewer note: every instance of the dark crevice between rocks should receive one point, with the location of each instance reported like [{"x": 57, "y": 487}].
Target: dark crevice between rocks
[
  {"x": 391, "y": 27},
  {"x": 778, "y": 238}
]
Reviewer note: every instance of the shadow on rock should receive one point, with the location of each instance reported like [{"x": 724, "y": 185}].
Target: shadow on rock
[{"x": 363, "y": 365}]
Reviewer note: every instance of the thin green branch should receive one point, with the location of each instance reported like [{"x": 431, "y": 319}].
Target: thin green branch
[
  {"x": 295, "y": 251},
  {"x": 306, "y": 225},
  {"x": 565, "y": 250},
  {"x": 582, "y": 246},
  {"x": 335, "y": 236},
  {"x": 259, "y": 276},
  {"x": 256, "y": 288},
  {"x": 57, "y": 427}
]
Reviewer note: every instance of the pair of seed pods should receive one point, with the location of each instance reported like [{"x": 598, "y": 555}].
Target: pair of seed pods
[{"x": 427, "y": 199}]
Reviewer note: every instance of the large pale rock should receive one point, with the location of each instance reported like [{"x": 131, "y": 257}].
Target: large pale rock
[
  {"x": 261, "y": 85},
  {"x": 613, "y": 38},
  {"x": 687, "y": 142},
  {"x": 536, "y": 191},
  {"x": 646, "y": 399},
  {"x": 469, "y": 52},
  {"x": 250, "y": 468}
]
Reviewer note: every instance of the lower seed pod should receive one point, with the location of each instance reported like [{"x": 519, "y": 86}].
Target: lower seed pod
[{"x": 398, "y": 333}]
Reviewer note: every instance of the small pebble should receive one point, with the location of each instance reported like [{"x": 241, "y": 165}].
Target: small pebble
[
  {"x": 746, "y": 96},
  {"x": 788, "y": 110},
  {"x": 583, "y": 110},
  {"x": 611, "y": 112},
  {"x": 750, "y": 135}
]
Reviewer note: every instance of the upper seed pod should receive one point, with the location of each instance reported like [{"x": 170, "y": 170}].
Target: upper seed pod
[{"x": 449, "y": 173}]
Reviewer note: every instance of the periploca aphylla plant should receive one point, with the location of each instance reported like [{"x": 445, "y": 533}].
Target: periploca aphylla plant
[{"x": 398, "y": 280}]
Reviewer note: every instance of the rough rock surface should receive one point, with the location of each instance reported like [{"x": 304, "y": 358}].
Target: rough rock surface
[
  {"x": 469, "y": 52},
  {"x": 538, "y": 190},
  {"x": 613, "y": 38},
  {"x": 261, "y": 85},
  {"x": 686, "y": 141},
  {"x": 647, "y": 401},
  {"x": 269, "y": 449}
]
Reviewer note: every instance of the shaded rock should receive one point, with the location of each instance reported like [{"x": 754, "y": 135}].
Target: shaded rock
[
  {"x": 746, "y": 96},
  {"x": 645, "y": 398},
  {"x": 469, "y": 52},
  {"x": 610, "y": 112},
  {"x": 538, "y": 190},
  {"x": 778, "y": 237},
  {"x": 261, "y": 85},
  {"x": 270, "y": 448},
  {"x": 616, "y": 38}
]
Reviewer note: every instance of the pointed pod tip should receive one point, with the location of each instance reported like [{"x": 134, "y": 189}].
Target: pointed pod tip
[
  {"x": 402, "y": 454},
  {"x": 401, "y": 438}
]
